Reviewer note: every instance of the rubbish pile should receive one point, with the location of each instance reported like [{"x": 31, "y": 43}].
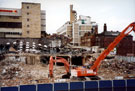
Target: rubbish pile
[
  {"x": 15, "y": 72},
  {"x": 115, "y": 68},
  {"x": 18, "y": 73},
  {"x": 10, "y": 67}
]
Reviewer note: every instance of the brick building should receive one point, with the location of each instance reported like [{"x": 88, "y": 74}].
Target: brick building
[
  {"x": 88, "y": 40},
  {"x": 58, "y": 40},
  {"x": 126, "y": 46}
]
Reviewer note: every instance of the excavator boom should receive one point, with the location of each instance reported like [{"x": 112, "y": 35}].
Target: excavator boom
[
  {"x": 124, "y": 33},
  {"x": 80, "y": 71}
]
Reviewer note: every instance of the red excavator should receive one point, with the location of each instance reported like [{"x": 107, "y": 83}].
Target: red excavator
[
  {"x": 92, "y": 71},
  {"x": 59, "y": 60}
]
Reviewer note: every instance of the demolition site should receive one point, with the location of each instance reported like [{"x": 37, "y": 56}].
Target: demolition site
[{"x": 77, "y": 52}]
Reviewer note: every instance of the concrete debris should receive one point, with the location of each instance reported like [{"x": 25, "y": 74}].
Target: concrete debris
[
  {"x": 117, "y": 68},
  {"x": 19, "y": 70},
  {"x": 18, "y": 73}
]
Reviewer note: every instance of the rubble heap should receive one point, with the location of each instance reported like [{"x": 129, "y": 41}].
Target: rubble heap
[
  {"x": 14, "y": 72},
  {"x": 18, "y": 73},
  {"x": 116, "y": 68}
]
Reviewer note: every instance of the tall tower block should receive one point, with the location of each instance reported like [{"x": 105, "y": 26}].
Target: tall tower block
[{"x": 73, "y": 14}]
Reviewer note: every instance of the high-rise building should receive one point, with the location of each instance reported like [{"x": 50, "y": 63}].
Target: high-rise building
[
  {"x": 73, "y": 14},
  {"x": 75, "y": 29},
  {"x": 27, "y": 22}
]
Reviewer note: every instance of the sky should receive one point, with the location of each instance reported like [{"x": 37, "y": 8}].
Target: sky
[{"x": 117, "y": 14}]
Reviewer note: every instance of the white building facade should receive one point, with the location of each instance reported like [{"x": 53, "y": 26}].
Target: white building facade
[{"x": 77, "y": 29}]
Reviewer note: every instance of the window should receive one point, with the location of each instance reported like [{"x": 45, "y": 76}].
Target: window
[
  {"x": 42, "y": 19},
  {"x": 42, "y": 13},
  {"x": 14, "y": 17},
  {"x": 83, "y": 21},
  {"x": 10, "y": 25},
  {"x": 28, "y": 13},
  {"x": 28, "y": 25},
  {"x": 28, "y": 19},
  {"x": 43, "y": 25},
  {"x": 27, "y": 7},
  {"x": 15, "y": 33},
  {"x": 28, "y": 32}
]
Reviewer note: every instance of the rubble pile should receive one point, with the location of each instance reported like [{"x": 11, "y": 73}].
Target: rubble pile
[
  {"x": 73, "y": 51},
  {"x": 10, "y": 67},
  {"x": 14, "y": 72},
  {"x": 116, "y": 68},
  {"x": 64, "y": 50},
  {"x": 18, "y": 73}
]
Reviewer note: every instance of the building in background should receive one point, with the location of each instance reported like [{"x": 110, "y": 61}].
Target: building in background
[
  {"x": 73, "y": 14},
  {"x": 58, "y": 40},
  {"x": 126, "y": 46},
  {"x": 27, "y": 22},
  {"x": 75, "y": 29}
]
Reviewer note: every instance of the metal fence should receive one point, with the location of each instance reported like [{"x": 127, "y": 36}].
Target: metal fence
[{"x": 102, "y": 85}]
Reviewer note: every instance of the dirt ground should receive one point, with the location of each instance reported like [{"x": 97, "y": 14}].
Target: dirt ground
[{"x": 14, "y": 73}]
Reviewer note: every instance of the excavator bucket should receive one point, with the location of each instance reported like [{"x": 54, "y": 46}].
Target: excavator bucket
[{"x": 67, "y": 76}]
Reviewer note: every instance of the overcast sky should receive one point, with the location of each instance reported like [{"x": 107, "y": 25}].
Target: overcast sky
[{"x": 116, "y": 13}]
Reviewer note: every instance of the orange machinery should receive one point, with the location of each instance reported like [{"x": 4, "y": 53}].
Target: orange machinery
[
  {"x": 92, "y": 71},
  {"x": 60, "y": 60},
  {"x": 82, "y": 72}
]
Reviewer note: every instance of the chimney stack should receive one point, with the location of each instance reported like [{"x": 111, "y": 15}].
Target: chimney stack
[
  {"x": 73, "y": 14},
  {"x": 105, "y": 27}
]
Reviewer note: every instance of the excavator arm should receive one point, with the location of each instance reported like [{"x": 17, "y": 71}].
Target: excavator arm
[
  {"x": 125, "y": 32},
  {"x": 60, "y": 60},
  {"x": 81, "y": 71}
]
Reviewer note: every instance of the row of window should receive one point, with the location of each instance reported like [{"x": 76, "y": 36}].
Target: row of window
[
  {"x": 10, "y": 25},
  {"x": 13, "y": 17},
  {"x": 43, "y": 25},
  {"x": 28, "y": 20},
  {"x": 13, "y": 33}
]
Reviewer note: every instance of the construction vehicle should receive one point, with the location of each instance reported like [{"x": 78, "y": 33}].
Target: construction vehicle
[
  {"x": 92, "y": 71},
  {"x": 59, "y": 60}
]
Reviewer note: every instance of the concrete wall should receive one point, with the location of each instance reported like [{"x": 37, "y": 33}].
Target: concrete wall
[
  {"x": 69, "y": 31},
  {"x": 31, "y": 21},
  {"x": 4, "y": 30},
  {"x": 43, "y": 20},
  {"x": 10, "y": 19},
  {"x": 75, "y": 34}
]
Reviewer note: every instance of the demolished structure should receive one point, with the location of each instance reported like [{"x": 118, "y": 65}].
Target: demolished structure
[{"x": 26, "y": 62}]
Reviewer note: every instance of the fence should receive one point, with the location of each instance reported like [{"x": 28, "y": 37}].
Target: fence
[
  {"x": 126, "y": 58},
  {"x": 103, "y": 85}
]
